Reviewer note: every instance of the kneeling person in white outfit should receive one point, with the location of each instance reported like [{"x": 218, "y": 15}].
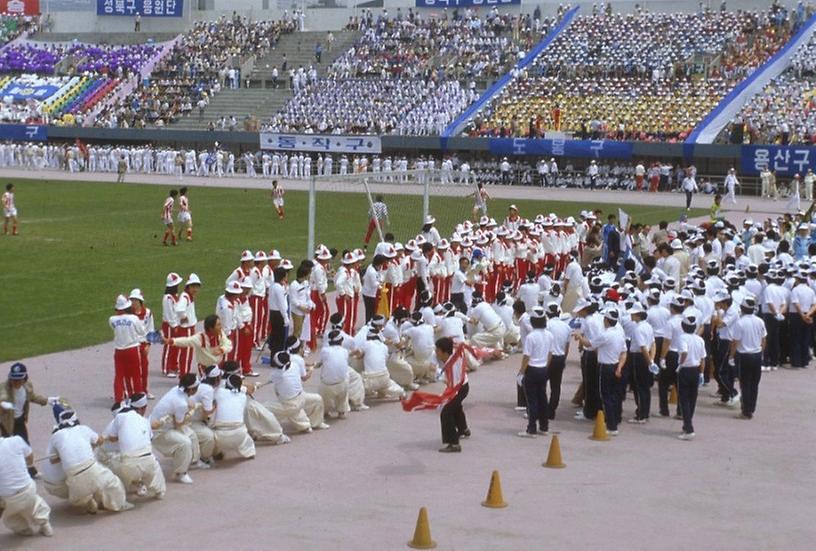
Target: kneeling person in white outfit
[
  {"x": 490, "y": 329},
  {"x": 24, "y": 512},
  {"x": 303, "y": 409},
  {"x": 231, "y": 435},
  {"x": 334, "y": 368},
  {"x": 174, "y": 437},
  {"x": 137, "y": 465},
  {"x": 376, "y": 379},
  {"x": 90, "y": 484}
]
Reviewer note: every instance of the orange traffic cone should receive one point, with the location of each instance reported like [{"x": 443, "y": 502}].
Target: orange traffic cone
[
  {"x": 554, "y": 460},
  {"x": 673, "y": 395},
  {"x": 599, "y": 432},
  {"x": 422, "y": 533},
  {"x": 494, "y": 493}
]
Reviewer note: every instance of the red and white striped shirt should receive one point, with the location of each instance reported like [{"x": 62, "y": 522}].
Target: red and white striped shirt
[
  {"x": 184, "y": 204},
  {"x": 8, "y": 200},
  {"x": 167, "y": 210}
]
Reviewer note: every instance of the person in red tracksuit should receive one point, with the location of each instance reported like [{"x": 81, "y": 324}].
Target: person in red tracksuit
[
  {"x": 246, "y": 335},
  {"x": 344, "y": 288},
  {"x": 170, "y": 324},
  {"x": 128, "y": 334},
  {"x": 146, "y": 316},
  {"x": 319, "y": 282},
  {"x": 257, "y": 299},
  {"x": 226, "y": 308},
  {"x": 187, "y": 320}
]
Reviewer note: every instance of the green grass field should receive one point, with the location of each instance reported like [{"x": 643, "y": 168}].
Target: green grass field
[{"x": 83, "y": 243}]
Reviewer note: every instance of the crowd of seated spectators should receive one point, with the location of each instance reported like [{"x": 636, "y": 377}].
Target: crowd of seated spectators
[
  {"x": 644, "y": 76},
  {"x": 197, "y": 69},
  {"x": 409, "y": 74}
]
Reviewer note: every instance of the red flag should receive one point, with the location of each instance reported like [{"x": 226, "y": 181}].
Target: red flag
[{"x": 454, "y": 379}]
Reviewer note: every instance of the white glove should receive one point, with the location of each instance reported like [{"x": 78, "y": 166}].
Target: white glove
[
  {"x": 6, "y": 405},
  {"x": 53, "y": 400},
  {"x": 732, "y": 362},
  {"x": 780, "y": 317},
  {"x": 662, "y": 363},
  {"x": 700, "y": 380},
  {"x": 520, "y": 379},
  {"x": 654, "y": 369}
]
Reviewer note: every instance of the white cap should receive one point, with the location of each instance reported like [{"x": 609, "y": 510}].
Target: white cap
[
  {"x": 246, "y": 283},
  {"x": 122, "y": 302},
  {"x": 580, "y": 305},
  {"x": 389, "y": 251},
  {"x": 322, "y": 252},
  {"x": 173, "y": 279},
  {"x": 137, "y": 294},
  {"x": 192, "y": 279},
  {"x": 676, "y": 244},
  {"x": 274, "y": 254},
  {"x": 349, "y": 258},
  {"x": 286, "y": 264},
  {"x": 430, "y": 219},
  {"x": 233, "y": 287},
  {"x": 247, "y": 256},
  {"x": 514, "y": 207},
  {"x": 260, "y": 256},
  {"x": 637, "y": 308}
]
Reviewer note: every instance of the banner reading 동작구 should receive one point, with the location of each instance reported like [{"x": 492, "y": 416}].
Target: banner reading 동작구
[
  {"x": 327, "y": 143},
  {"x": 783, "y": 160},
  {"x": 145, "y": 8}
]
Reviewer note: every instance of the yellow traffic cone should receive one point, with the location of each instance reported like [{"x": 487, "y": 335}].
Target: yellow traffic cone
[
  {"x": 554, "y": 460},
  {"x": 599, "y": 432},
  {"x": 673, "y": 395},
  {"x": 422, "y": 533},
  {"x": 494, "y": 493}
]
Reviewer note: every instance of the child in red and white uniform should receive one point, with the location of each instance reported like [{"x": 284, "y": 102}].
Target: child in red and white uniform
[
  {"x": 357, "y": 282},
  {"x": 167, "y": 217},
  {"x": 9, "y": 210},
  {"x": 146, "y": 316},
  {"x": 257, "y": 298},
  {"x": 394, "y": 276},
  {"x": 242, "y": 271},
  {"x": 246, "y": 333},
  {"x": 226, "y": 308},
  {"x": 185, "y": 309},
  {"x": 128, "y": 334},
  {"x": 169, "y": 324},
  {"x": 319, "y": 283},
  {"x": 185, "y": 217},
  {"x": 344, "y": 289},
  {"x": 277, "y": 198}
]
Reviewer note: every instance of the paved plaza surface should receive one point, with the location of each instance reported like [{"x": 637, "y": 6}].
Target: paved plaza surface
[{"x": 359, "y": 485}]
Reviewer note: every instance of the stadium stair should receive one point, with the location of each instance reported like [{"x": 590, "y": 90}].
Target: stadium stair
[{"x": 262, "y": 102}]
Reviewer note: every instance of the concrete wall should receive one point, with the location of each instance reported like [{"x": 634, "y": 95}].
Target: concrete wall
[{"x": 80, "y": 15}]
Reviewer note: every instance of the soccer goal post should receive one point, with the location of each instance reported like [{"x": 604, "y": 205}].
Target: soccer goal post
[{"x": 341, "y": 206}]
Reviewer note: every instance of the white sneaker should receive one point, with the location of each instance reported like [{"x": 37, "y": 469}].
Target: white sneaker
[
  {"x": 686, "y": 436},
  {"x": 525, "y": 434},
  {"x": 519, "y": 408},
  {"x": 141, "y": 490},
  {"x": 284, "y": 439},
  {"x": 412, "y": 386},
  {"x": 363, "y": 407},
  {"x": 150, "y": 396},
  {"x": 580, "y": 416},
  {"x": 46, "y": 530},
  {"x": 323, "y": 426},
  {"x": 200, "y": 465},
  {"x": 765, "y": 368},
  {"x": 184, "y": 478},
  {"x": 635, "y": 421},
  {"x": 613, "y": 432},
  {"x": 774, "y": 367},
  {"x": 171, "y": 375}
]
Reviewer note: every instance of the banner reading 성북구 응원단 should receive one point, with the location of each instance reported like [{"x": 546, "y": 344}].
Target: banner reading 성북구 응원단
[{"x": 145, "y": 8}]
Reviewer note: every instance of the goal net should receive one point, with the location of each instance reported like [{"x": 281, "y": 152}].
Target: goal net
[{"x": 341, "y": 206}]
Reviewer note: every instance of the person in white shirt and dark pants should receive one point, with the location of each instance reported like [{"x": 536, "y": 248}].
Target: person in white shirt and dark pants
[
  {"x": 610, "y": 345},
  {"x": 748, "y": 342},
  {"x": 691, "y": 365},
  {"x": 533, "y": 372}
]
